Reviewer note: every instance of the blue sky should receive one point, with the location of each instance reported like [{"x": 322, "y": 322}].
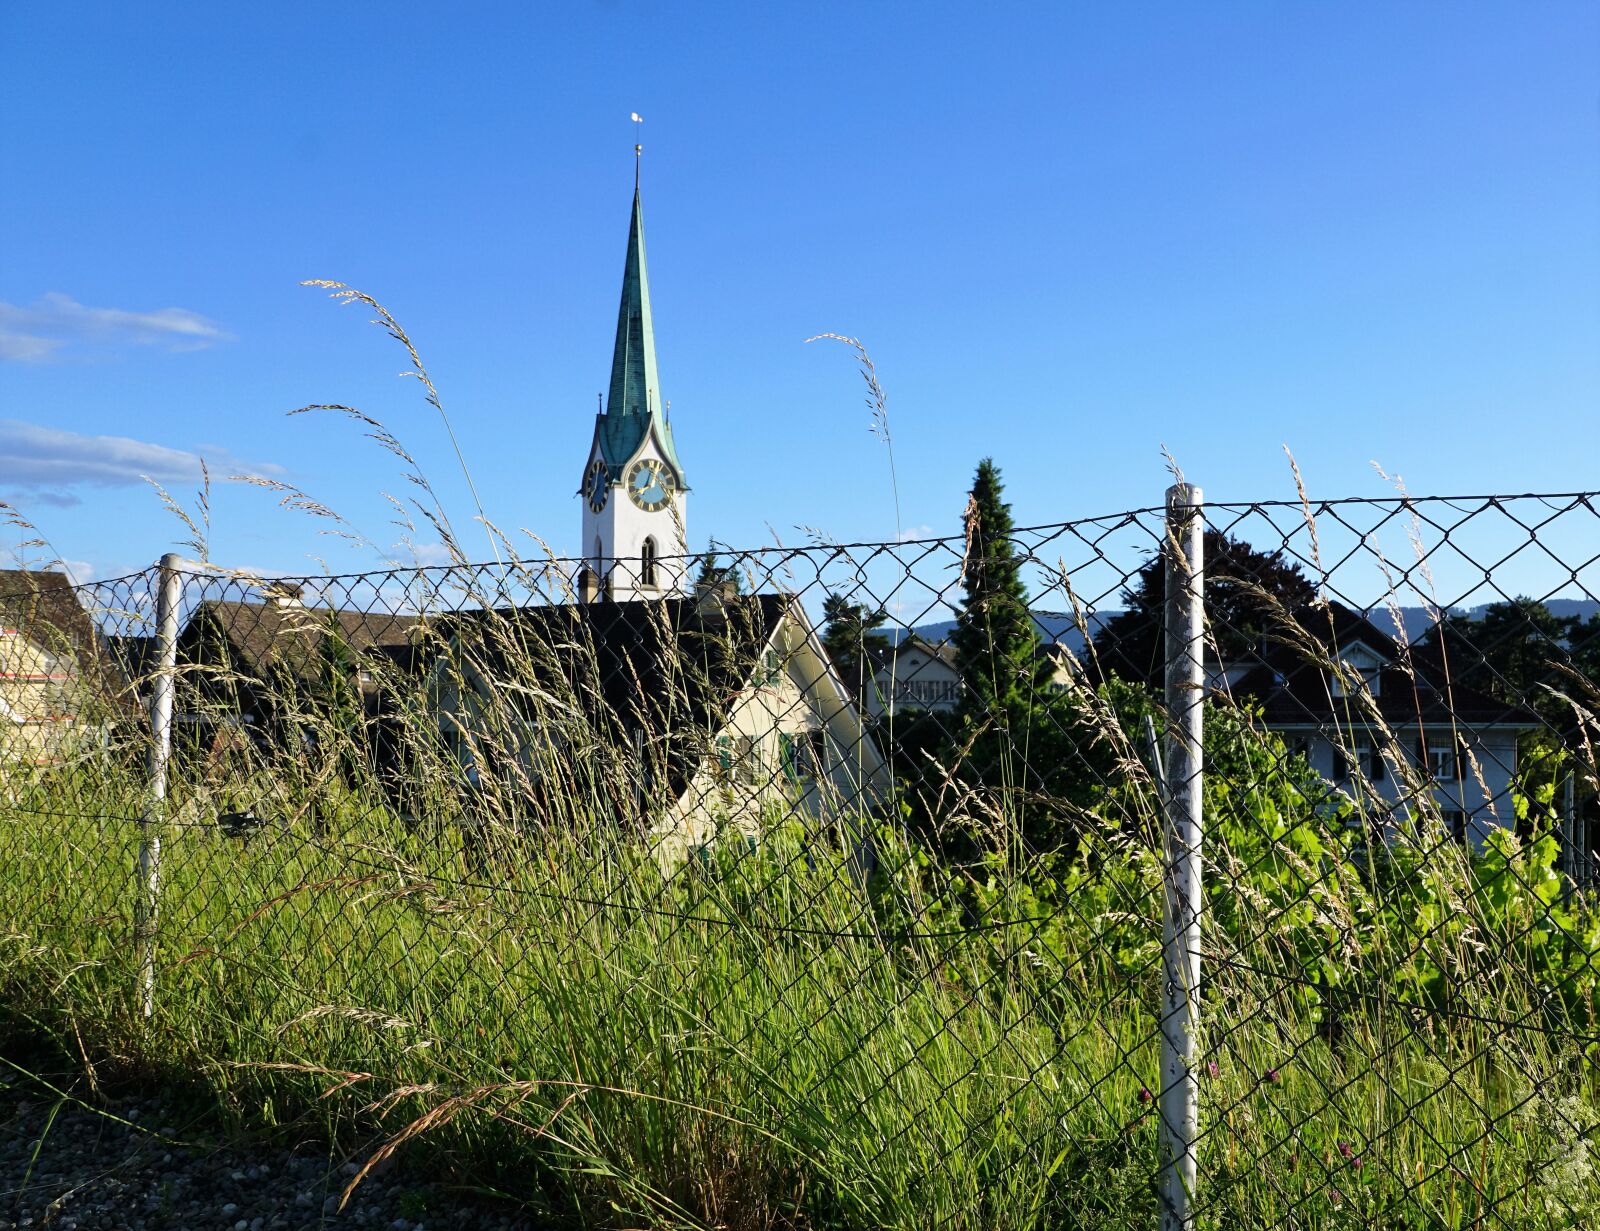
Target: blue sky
[{"x": 1069, "y": 235}]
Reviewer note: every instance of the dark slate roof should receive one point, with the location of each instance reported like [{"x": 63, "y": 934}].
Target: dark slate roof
[
  {"x": 407, "y": 658},
  {"x": 650, "y": 663},
  {"x": 272, "y": 638},
  {"x": 134, "y": 656},
  {"x": 1291, "y": 685},
  {"x": 884, "y": 656},
  {"x": 669, "y": 668}
]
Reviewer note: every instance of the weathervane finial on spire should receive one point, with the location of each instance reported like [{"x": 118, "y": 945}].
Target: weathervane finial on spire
[{"x": 638, "y": 147}]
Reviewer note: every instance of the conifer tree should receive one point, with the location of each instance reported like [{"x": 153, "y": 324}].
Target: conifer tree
[
  {"x": 714, "y": 574},
  {"x": 996, "y": 643},
  {"x": 1031, "y": 752},
  {"x": 850, "y": 636}
]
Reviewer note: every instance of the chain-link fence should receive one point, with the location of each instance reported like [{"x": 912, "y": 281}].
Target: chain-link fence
[{"x": 1214, "y": 866}]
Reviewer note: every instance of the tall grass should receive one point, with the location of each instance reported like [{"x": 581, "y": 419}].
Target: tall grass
[{"x": 511, "y": 977}]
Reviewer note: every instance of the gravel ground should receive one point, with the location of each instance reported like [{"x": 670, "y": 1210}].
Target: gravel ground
[{"x": 95, "y": 1173}]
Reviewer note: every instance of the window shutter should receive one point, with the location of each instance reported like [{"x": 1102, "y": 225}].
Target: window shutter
[{"x": 1378, "y": 766}]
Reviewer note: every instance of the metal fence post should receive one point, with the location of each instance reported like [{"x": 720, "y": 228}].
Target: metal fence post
[
  {"x": 1180, "y": 949},
  {"x": 168, "y": 593}
]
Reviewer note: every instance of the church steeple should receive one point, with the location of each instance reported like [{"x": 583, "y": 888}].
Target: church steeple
[
  {"x": 633, "y": 489},
  {"x": 634, "y": 382},
  {"x": 634, "y": 404}
]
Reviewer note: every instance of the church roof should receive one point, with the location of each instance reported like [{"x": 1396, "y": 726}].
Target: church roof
[
  {"x": 633, "y": 405},
  {"x": 670, "y": 668}
]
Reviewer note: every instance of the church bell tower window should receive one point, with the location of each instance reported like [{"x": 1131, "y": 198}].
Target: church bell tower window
[{"x": 647, "y": 563}]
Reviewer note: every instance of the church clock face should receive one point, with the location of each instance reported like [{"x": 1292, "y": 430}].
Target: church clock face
[
  {"x": 597, "y": 485},
  {"x": 649, "y": 485}
]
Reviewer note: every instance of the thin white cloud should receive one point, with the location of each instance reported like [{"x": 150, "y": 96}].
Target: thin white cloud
[
  {"x": 913, "y": 533},
  {"x": 21, "y": 347},
  {"x": 55, "y": 324},
  {"x": 427, "y": 555},
  {"x": 45, "y": 463}
]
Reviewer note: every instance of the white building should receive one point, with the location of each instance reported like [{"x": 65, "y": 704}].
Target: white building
[
  {"x": 56, "y": 688},
  {"x": 684, "y": 717},
  {"x": 1388, "y": 728},
  {"x": 913, "y": 675}
]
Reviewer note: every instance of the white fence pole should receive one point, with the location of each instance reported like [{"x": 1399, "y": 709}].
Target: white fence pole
[
  {"x": 168, "y": 594},
  {"x": 1180, "y": 950}
]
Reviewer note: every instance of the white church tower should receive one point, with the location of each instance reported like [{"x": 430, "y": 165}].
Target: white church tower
[{"x": 635, "y": 541}]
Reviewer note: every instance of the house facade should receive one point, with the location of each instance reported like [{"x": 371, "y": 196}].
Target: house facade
[
  {"x": 56, "y": 689},
  {"x": 913, "y": 675},
  {"x": 1385, "y": 725}
]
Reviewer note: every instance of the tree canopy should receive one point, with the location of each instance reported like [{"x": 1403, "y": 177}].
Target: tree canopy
[
  {"x": 1247, "y": 592},
  {"x": 1520, "y": 652}
]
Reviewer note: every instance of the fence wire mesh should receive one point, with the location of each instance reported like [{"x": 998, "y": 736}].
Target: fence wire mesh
[{"x": 825, "y": 888}]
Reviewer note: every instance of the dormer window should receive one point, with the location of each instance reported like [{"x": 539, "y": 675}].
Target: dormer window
[{"x": 1361, "y": 670}]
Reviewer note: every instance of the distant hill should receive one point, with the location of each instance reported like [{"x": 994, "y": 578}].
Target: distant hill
[
  {"x": 1414, "y": 621},
  {"x": 1061, "y": 628}
]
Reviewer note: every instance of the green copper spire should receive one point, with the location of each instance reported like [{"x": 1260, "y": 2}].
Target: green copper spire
[
  {"x": 634, "y": 405},
  {"x": 634, "y": 386}
]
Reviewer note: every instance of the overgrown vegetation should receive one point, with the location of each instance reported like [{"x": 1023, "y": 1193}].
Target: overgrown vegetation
[{"x": 760, "y": 1038}]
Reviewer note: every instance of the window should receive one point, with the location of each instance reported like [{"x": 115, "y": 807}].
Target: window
[
  {"x": 1442, "y": 762},
  {"x": 816, "y": 752},
  {"x": 1357, "y": 674},
  {"x": 1455, "y": 823},
  {"x": 746, "y": 761},
  {"x": 926, "y": 693},
  {"x": 1358, "y": 758},
  {"x": 647, "y": 563},
  {"x": 803, "y": 756}
]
